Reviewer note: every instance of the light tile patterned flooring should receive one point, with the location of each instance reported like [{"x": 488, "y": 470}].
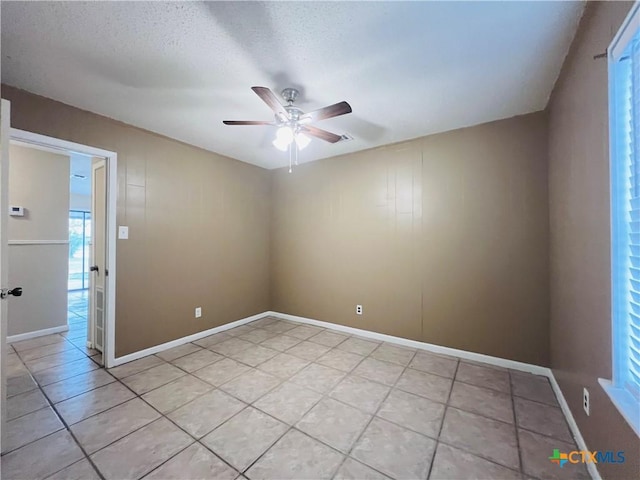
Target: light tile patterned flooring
[
  {"x": 78, "y": 305},
  {"x": 277, "y": 400}
]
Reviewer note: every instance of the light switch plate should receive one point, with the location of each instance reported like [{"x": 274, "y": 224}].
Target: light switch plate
[{"x": 123, "y": 232}]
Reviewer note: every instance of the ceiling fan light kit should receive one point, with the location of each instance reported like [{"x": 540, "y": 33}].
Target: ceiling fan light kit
[
  {"x": 293, "y": 124},
  {"x": 284, "y": 137}
]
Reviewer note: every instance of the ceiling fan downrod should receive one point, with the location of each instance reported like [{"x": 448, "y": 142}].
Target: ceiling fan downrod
[{"x": 290, "y": 95}]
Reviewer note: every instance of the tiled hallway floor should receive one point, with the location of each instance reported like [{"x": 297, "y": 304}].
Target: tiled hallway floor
[
  {"x": 277, "y": 400},
  {"x": 77, "y": 314}
]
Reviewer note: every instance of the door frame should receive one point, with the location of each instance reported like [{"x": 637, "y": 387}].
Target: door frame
[
  {"x": 111, "y": 158},
  {"x": 5, "y": 127}
]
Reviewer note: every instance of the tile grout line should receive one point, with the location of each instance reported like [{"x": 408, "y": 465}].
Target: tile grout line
[
  {"x": 323, "y": 396},
  {"x": 252, "y": 405},
  {"x": 40, "y": 387},
  {"x": 165, "y": 416},
  {"x": 444, "y": 414},
  {"x": 75, "y": 439},
  {"x": 407, "y": 366},
  {"x": 291, "y": 426},
  {"x": 71, "y": 347},
  {"x": 34, "y": 372},
  {"x": 375, "y": 413},
  {"x": 198, "y": 440},
  {"x": 195, "y": 440},
  {"x": 33, "y": 375},
  {"x": 515, "y": 426},
  {"x": 85, "y": 391},
  {"x": 67, "y": 427},
  {"x": 172, "y": 457}
]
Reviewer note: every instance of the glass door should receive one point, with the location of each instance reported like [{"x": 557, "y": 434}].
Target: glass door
[{"x": 79, "y": 241}]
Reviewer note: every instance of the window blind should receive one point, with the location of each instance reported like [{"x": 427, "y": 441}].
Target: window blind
[{"x": 626, "y": 218}]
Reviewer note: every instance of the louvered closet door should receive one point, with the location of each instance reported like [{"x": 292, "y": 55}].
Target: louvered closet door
[{"x": 98, "y": 252}]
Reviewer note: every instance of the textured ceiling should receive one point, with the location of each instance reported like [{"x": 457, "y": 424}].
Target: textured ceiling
[{"x": 179, "y": 69}]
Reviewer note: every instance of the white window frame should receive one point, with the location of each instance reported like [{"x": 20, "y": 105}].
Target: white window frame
[{"x": 622, "y": 398}]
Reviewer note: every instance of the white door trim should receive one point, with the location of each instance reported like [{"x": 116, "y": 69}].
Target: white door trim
[
  {"x": 5, "y": 115},
  {"x": 43, "y": 141}
]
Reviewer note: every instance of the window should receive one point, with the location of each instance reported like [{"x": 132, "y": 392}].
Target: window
[
  {"x": 624, "y": 123},
  {"x": 79, "y": 243}
]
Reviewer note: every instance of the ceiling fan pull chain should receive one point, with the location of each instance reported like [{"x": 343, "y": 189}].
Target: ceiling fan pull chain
[
  {"x": 290, "y": 155},
  {"x": 296, "y": 157}
]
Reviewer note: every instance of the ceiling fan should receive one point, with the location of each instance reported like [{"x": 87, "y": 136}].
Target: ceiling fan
[{"x": 293, "y": 123}]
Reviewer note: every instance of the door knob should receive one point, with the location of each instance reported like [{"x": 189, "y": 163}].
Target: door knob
[
  {"x": 94, "y": 268},
  {"x": 16, "y": 292}
]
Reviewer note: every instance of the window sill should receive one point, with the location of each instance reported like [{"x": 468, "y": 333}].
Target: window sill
[{"x": 624, "y": 402}]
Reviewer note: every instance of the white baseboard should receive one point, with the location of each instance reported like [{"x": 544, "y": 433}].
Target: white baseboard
[
  {"x": 476, "y": 357},
  {"x": 591, "y": 467},
  {"x": 181, "y": 341},
  {"x": 37, "y": 333}
]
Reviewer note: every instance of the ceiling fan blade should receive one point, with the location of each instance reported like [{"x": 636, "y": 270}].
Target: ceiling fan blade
[
  {"x": 335, "y": 110},
  {"x": 321, "y": 134},
  {"x": 271, "y": 99},
  {"x": 246, "y": 122}
]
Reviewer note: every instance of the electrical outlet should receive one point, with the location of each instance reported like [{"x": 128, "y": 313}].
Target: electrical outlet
[
  {"x": 198, "y": 312},
  {"x": 358, "y": 309},
  {"x": 585, "y": 400}
]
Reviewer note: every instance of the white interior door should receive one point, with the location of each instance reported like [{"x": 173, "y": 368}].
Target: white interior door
[
  {"x": 97, "y": 277},
  {"x": 4, "y": 215}
]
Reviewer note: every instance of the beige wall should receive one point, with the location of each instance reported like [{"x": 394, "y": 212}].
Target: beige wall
[
  {"x": 432, "y": 231},
  {"x": 198, "y": 225},
  {"x": 442, "y": 239},
  {"x": 39, "y": 182},
  {"x": 580, "y": 237}
]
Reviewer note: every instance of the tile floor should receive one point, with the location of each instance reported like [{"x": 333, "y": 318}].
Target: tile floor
[{"x": 277, "y": 400}]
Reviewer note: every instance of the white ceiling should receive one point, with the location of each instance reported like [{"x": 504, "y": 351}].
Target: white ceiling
[{"x": 179, "y": 68}]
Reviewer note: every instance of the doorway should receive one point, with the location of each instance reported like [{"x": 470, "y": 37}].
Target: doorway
[
  {"x": 79, "y": 244},
  {"x": 80, "y": 235},
  {"x": 78, "y": 277},
  {"x": 90, "y": 311}
]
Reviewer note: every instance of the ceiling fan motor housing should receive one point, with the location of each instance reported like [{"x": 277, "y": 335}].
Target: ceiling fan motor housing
[
  {"x": 290, "y": 95},
  {"x": 294, "y": 113}
]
